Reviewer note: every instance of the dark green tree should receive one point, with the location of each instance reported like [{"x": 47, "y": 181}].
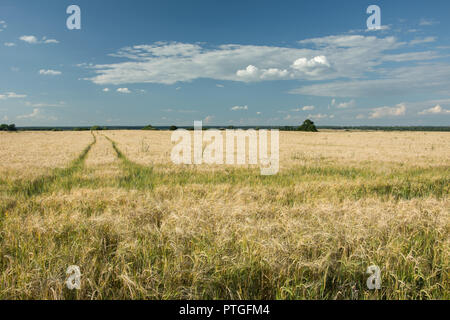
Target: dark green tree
[
  {"x": 308, "y": 126},
  {"x": 149, "y": 127},
  {"x": 5, "y": 127}
]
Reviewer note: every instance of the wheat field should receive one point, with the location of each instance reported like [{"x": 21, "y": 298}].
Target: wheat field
[{"x": 140, "y": 227}]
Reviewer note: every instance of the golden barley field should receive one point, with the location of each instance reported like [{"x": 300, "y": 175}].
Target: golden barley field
[{"x": 141, "y": 227}]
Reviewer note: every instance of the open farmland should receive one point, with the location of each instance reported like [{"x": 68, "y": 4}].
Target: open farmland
[{"x": 140, "y": 227}]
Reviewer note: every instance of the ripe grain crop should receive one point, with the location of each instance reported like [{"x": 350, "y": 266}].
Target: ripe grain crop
[{"x": 141, "y": 227}]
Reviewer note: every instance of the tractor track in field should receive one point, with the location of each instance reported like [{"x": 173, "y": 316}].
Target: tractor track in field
[
  {"x": 136, "y": 176},
  {"x": 100, "y": 164},
  {"x": 46, "y": 183}
]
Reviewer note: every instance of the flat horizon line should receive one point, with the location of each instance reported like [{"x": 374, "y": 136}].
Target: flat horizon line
[{"x": 166, "y": 127}]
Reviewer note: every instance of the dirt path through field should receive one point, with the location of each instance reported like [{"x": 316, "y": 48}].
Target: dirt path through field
[{"x": 102, "y": 160}]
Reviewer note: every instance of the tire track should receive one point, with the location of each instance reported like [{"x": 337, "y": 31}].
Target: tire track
[
  {"x": 40, "y": 185},
  {"x": 136, "y": 176}
]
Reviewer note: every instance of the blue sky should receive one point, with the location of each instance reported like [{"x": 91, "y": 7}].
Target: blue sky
[{"x": 224, "y": 62}]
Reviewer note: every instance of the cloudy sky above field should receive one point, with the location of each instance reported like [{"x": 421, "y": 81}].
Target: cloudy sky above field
[{"x": 224, "y": 62}]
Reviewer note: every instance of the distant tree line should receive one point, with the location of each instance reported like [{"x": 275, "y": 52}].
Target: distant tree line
[
  {"x": 98, "y": 128},
  {"x": 8, "y": 127},
  {"x": 386, "y": 128},
  {"x": 307, "y": 125},
  {"x": 149, "y": 127}
]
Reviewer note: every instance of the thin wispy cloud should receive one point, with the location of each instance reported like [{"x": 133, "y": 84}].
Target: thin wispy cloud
[
  {"x": 423, "y": 40},
  {"x": 318, "y": 116},
  {"x": 36, "y": 112},
  {"x": 49, "y": 72},
  {"x": 238, "y": 108},
  {"x": 48, "y": 41},
  {"x": 180, "y": 110},
  {"x": 45, "y": 105},
  {"x": 305, "y": 108},
  {"x": 30, "y": 39},
  {"x": 346, "y": 105},
  {"x": 428, "y": 22},
  {"x": 12, "y": 95},
  {"x": 426, "y": 78},
  {"x": 3, "y": 25},
  {"x": 208, "y": 119}
]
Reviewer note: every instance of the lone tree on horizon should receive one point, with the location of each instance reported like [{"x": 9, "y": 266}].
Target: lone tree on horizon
[{"x": 309, "y": 126}]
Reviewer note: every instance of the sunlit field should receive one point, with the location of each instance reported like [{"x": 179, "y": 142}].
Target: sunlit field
[{"x": 141, "y": 227}]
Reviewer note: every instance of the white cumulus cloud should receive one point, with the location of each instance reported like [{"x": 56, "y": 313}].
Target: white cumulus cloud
[
  {"x": 123, "y": 90},
  {"x": 29, "y": 39},
  {"x": 398, "y": 110},
  {"x": 345, "y": 105},
  {"x": 312, "y": 66},
  {"x": 435, "y": 110},
  {"x": 343, "y": 66},
  {"x": 252, "y": 73},
  {"x": 249, "y": 72},
  {"x": 169, "y": 63}
]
